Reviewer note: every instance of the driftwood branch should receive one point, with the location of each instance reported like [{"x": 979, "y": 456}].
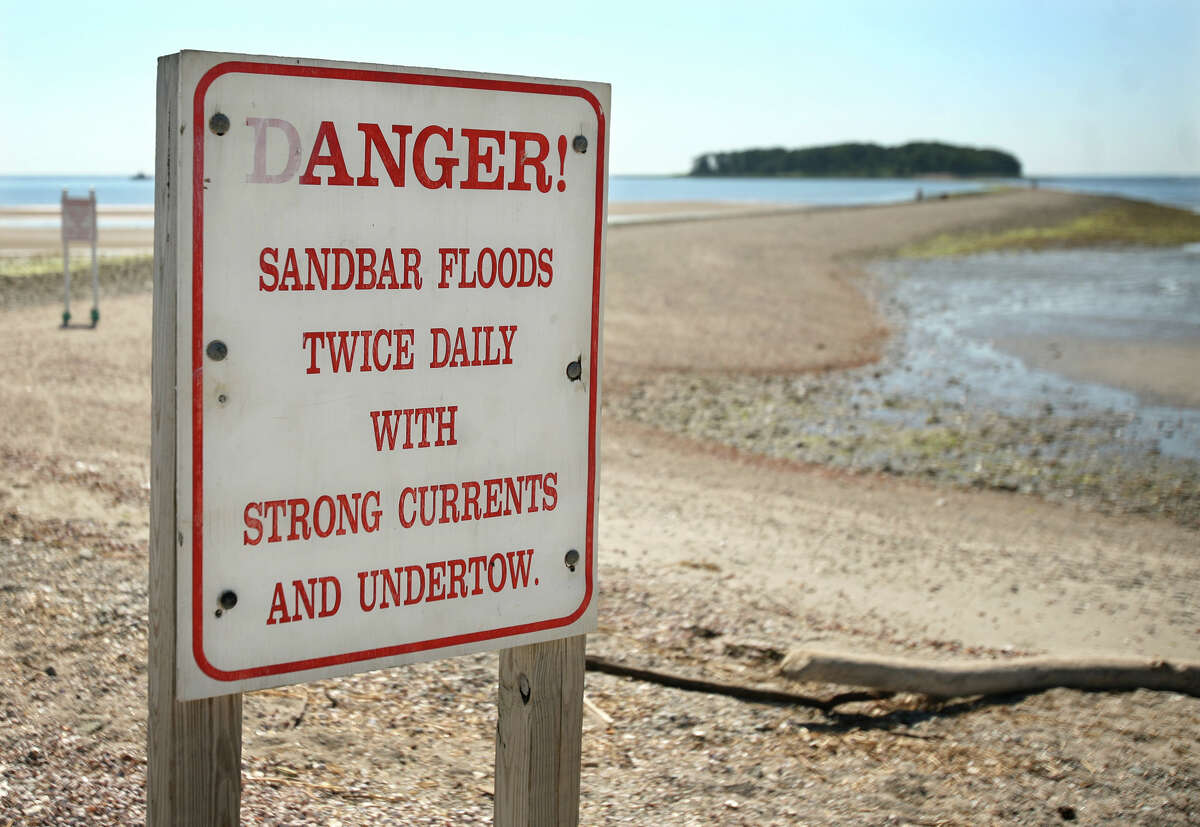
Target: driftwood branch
[
  {"x": 989, "y": 677},
  {"x": 732, "y": 690}
]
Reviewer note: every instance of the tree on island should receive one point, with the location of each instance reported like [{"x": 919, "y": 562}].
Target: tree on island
[{"x": 856, "y": 160}]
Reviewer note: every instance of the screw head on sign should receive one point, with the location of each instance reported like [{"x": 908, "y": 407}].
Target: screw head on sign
[
  {"x": 219, "y": 124},
  {"x": 216, "y": 350},
  {"x": 571, "y": 559},
  {"x": 579, "y": 144},
  {"x": 228, "y": 599},
  {"x": 574, "y": 370}
]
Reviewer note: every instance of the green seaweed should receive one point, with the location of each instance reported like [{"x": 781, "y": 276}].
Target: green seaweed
[{"x": 1126, "y": 223}]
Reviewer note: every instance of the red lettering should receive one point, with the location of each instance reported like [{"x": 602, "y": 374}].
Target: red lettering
[
  {"x": 494, "y": 488},
  {"x": 278, "y": 607},
  {"x": 321, "y": 268},
  {"x": 299, "y": 520},
  {"x": 387, "y": 272},
  {"x": 476, "y": 565},
  {"x": 341, "y": 357},
  {"x": 253, "y": 523},
  {"x": 405, "y": 520},
  {"x": 366, "y": 264},
  {"x": 446, "y": 162},
  {"x": 524, "y": 159},
  {"x": 326, "y": 609},
  {"x": 268, "y": 268},
  {"x": 449, "y": 256},
  {"x": 307, "y": 597},
  {"x": 412, "y": 260},
  {"x": 409, "y": 597},
  {"x": 291, "y": 272},
  {"x": 373, "y": 137},
  {"x": 457, "y": 578},
  {"x": 362, "y": 589},
  {"x": 482, "y": 162},
  {"x": 436, "y": 587},
  {"x": 381, "y": 364},
  {"x": 519, "y": 563},
  {"x": 343, "y": 513},
  {"x": 470, "y": 500},
  {"x": 311, "y": 340},
  {"x": 404, "y": 357},
  {"x": 449, "y": 497},
  {"x": 496, "y": 564},
  {"x": 326, "y": 502},
  {"x": 276, "y": 506},
  {"x": 371, "y": 518},
  {"x": 511, "y": 272},
  {"x": 390, "y": 586},
  {"x": 348, "y": 513},
  {"x": 327, "y": 136}
]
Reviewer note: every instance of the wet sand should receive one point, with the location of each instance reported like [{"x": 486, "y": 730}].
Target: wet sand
[{"x": 1160, "y": 373}]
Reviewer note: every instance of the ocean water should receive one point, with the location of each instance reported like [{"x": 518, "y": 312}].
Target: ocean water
[
  {"x": 815, "y": 191},
  {"x": 46, "y": 190},
  {"x": 1174, "y": 191},
  {"x": 1180, "y": 191}
]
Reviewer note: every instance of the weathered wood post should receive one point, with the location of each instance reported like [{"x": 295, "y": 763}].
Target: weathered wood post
[
  {"x": 193, "y": 756},
  {"x": 539, "y": 734}
]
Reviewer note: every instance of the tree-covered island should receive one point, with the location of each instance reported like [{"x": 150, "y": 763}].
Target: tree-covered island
[{"x": 854, "y": 160}]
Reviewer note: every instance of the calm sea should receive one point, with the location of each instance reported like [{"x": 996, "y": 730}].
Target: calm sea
[{"x": 1179, "y": 191}]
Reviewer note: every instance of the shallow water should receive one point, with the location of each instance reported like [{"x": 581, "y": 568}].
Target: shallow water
[{"x": 953, "y": 311}]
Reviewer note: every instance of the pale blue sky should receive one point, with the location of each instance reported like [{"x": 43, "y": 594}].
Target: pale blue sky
[{"x": 1070, "y": 87}]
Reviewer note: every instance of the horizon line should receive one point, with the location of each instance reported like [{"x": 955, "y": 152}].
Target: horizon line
[{"x": 683, "y": 174}]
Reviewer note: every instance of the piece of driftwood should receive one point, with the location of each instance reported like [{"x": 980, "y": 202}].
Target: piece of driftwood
[
  {"x": 596, "y": 663},
  {"x": 948, "y": 679},
  {"x": 600, "y": 714}
]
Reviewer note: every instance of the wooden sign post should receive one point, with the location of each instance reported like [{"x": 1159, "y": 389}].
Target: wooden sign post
[
  {"x": 79, "y": 224},
  {"x": 539, "y": 735},
  {"x": 376, "y": 400}
]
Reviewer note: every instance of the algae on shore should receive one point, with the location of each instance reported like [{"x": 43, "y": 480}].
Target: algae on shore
[
  {"x": 1122, "y": 222},
  {"x": 25, "y": 281},
  {"x": 843, "y": 421}
]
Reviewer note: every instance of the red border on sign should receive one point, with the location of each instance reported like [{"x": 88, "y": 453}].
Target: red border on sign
[{"x": 197, "y": 346}]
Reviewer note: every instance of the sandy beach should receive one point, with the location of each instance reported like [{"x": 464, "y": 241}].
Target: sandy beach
[{"x": 717, "y": 553}]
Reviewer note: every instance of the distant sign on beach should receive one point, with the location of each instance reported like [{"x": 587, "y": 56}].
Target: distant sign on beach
[
  {"x": 79, "y": 224},
  {"x": 388, "y": 338}
]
